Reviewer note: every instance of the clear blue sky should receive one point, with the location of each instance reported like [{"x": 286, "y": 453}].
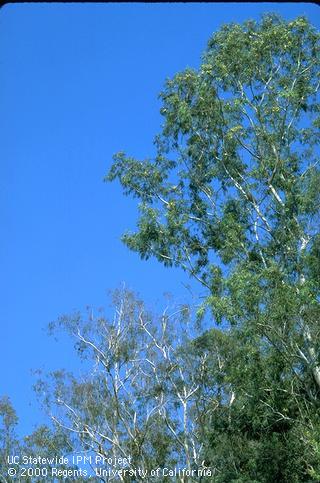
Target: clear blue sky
[{"x": 78, "y": 83}]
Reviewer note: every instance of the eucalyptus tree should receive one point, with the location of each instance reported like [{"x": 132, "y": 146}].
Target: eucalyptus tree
[
  {"x": 143, "y": 397},
  {"x": 19, "y": 456},
  {"x": 231, "y": 195},
  {"x": 9, "y": 443}
]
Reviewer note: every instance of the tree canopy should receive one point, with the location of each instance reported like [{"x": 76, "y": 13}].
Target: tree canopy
[
  {"x": 232, "y": 196},
  {"x": 234, "y": 182}
]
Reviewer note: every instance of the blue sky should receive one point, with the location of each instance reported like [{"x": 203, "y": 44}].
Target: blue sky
[{"x": 79, "y": 82}]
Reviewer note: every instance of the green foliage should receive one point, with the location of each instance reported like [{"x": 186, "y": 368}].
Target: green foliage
[
  {"x": 232, "y": 197},
  {"x": 141, "y": 394},
  {"x": 234, "y": 175},
  {"x": 43, "y": 442},
  {"x": 9, "y": 443}
]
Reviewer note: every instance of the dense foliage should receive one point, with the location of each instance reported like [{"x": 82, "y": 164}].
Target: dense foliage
[{"x": 232, "y": 196}]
